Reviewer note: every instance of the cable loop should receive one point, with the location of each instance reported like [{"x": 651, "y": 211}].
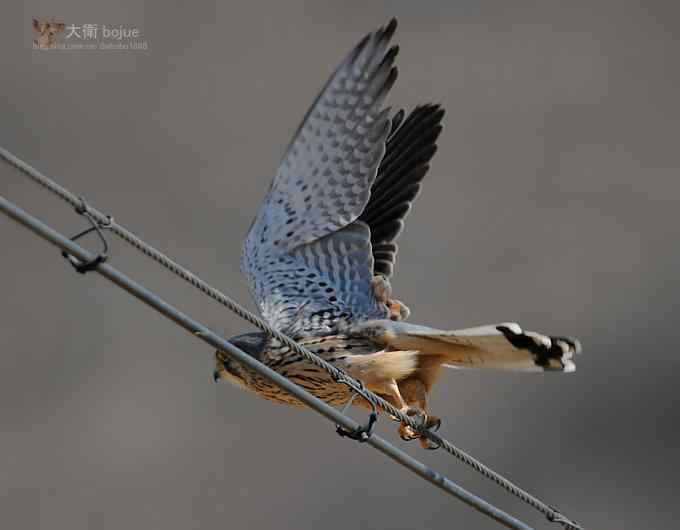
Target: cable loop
[
  {"x": 97, "y": 226},
  {"x": 361, "y": 433}
]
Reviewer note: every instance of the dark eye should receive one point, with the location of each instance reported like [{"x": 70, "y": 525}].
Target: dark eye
[{"x": 234, "y": 369}]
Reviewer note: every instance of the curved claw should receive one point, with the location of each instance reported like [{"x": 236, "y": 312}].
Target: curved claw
[
  {"x": 432, "y": 423},
  {"x": 407, "y": 434}
]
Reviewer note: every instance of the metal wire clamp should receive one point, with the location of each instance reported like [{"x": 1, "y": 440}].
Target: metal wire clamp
[
  {"x": 361, "y": 433},
  {"x": 98, "y": 227}
]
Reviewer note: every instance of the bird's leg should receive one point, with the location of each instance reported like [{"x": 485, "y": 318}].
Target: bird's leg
[
  {"x": 389, "y": 391},
  {"x": 410, "y": 398},
  {"x": 393, "y": 394},
  {"x": 414, "y": 393},
  {"x": 382, "y": 290}
]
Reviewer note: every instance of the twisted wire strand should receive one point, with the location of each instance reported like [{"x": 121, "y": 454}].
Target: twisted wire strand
[{"x": 108, "y": 222}]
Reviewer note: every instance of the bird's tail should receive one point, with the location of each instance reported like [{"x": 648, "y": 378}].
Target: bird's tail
[{"x": 497, "y": 346}]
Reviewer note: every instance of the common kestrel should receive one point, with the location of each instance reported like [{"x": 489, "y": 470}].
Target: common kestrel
[{"x": 319, "y": 255}]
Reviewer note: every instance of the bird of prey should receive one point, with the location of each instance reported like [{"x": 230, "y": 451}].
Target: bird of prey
[{"x": 320, "y": 254}]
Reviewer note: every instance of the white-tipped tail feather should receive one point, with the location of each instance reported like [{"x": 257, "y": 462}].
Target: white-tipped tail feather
[{"x": 498, "y": 346}]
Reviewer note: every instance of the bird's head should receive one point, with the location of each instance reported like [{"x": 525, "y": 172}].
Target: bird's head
[{"x": 228, "y": 368}]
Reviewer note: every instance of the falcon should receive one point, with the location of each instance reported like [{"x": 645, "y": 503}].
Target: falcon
[{"x": 320, "y": 254}]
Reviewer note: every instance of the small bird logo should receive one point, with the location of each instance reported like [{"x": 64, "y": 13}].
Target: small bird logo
[
  {"x": 321, "y": 251},
  {"x": 46, "y": 32}
]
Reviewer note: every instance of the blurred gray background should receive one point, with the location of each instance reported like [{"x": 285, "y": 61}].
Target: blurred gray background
[{"x": 553, "y": 201}]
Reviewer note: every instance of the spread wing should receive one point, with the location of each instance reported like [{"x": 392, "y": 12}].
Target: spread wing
[{"x": 307, "y": 257}]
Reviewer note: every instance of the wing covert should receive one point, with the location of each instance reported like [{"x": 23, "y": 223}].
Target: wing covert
[{"x": 313, "y": 288}]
